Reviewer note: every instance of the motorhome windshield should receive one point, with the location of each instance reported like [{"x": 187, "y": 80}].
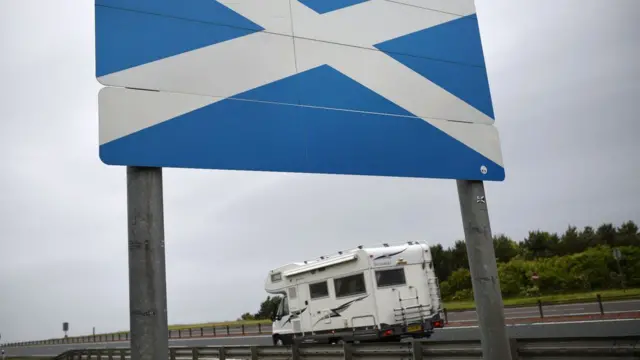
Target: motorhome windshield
[{"x": 283, "y": 307}]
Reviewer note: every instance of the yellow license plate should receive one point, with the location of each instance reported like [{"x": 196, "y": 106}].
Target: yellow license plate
[{"x": 414, "y": 328}]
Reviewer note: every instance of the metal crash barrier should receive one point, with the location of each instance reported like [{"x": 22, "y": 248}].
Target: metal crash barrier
[{"x": 552, "y": 348}]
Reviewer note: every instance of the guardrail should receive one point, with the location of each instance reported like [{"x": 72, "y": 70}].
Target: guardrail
[
  {"x": 203, "y": 331},
  {"x": 265, "y": 329},
  {"x": 521, "y": 349}
]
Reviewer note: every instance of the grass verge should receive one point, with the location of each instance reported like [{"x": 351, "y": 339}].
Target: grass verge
[
  {"x": 220, "y": 324},
  {"x": 607, "y": 295}
]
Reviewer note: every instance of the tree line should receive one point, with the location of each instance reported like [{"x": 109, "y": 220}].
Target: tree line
[
  {"x": 267, "y": 308},
  {"x": 547, "y": 263},
  {"x": 542, "y": 263}
]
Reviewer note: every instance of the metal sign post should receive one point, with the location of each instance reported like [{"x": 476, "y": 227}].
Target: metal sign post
[
  {"x": 147, "y": 275},
  {"x": 484, "y": 270}
]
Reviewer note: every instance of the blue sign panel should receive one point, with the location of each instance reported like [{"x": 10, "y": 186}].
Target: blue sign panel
[{"x": 357, "y": 87}]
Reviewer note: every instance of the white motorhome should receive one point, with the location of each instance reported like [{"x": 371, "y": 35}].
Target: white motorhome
[{"x": 363, "y": 294}]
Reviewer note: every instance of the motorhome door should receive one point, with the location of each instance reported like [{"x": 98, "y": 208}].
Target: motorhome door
[{"x": 298, "y": 299}]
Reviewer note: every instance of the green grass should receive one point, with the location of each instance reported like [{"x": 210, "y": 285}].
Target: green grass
[
  {"x": 607, "y": 295},
  {"x": 220, "y": 324}
]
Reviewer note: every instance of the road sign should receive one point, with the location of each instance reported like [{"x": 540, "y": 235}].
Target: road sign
[
  {"x": 617, "y": 254},
  {"x": 360, "y": 87}
]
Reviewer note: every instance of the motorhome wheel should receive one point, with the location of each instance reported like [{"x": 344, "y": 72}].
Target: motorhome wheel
[{"x": 277, "y": 341}]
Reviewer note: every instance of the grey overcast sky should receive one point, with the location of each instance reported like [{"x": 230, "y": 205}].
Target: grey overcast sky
[{"x": 566, "y": 86}]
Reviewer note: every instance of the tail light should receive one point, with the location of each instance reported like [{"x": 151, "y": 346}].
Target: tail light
[{"x": 438, "y": 324}]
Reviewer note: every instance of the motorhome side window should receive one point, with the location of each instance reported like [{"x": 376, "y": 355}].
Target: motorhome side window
[
  {"x": 293, "y": 293},
  {"x": 319, "y": 290},
  {"x": 350, "y": 285},
  {"x": 276, "y": 277},
  {"x": 390, "y": 277}
]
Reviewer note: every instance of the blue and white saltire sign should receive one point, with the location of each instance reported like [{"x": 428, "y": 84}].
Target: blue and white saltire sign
[{"x": 359, "y": 87}]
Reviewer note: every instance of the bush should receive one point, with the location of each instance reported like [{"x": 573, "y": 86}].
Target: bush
[
  {"x": 445, "y": 290},
  {"x": 514, "y": 277},
  {"x": 459, "y": 280},
  {"x": 630, "y": 264},
  {"x": 466, "y": 294},
  {"x": 593, "y": 269}
]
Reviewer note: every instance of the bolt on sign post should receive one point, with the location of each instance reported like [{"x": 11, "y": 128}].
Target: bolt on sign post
[{"x": 395, "y": 89}]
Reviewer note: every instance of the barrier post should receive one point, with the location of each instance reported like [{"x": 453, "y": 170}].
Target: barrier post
[
  {"x": 513, "y": 344},
  {"x": 599, "y": 298},
  {"x": 540, "y": 308},
  {"x": 295, "y": 351},
  {"x": 416, "y": 350}
]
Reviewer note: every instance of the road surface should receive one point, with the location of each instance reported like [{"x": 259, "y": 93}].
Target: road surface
[
  {"x": 556, "y": 330},
  {"x": 553, "y": 310}
]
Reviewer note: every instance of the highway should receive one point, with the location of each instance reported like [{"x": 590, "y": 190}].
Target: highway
[
  {"x": 556, "y": 330},
  {"x": 553, "y": 310}
]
